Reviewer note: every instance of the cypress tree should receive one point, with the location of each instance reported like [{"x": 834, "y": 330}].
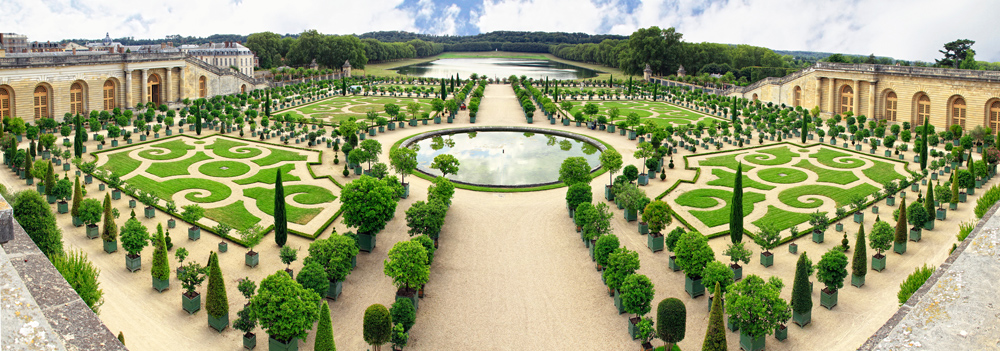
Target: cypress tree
[
  {"x": 267, "y": 105},
  {"x": 801, "y": 293},
  {"x": 901, "y": 223},
  {"x": 805, "y": 126},
  {"x": 78, "y": 137},
  {"x": 929, "y": 200},
  {"x": 77, "y": 198},
  {"x": 923, "y": 143},
  {"x": 110, "y": 229},
  {"x": 280, "y": 221},
  {"x": 31, "y": 150},
  {"x": 859, "y": 265},
  {"x": 161, "y": 264},
  {"x": 197, "y": 123},
  {"x": 736, "y": 208},
  {"x": 121, "y": 338},
  {"x": 954, "y": 189},
  {"x": 27, "y": 171},
  {"x": 715, "y": 337},
  {"x": 671, "y": 321},
  {"x": 50, "y": 179},
  {"x": 216, "y": 303},
  {"x": 324, "y": 331},
  {"x": 443, "y": 92}
]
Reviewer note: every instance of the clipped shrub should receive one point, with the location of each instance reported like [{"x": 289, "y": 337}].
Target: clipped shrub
[
  {"x": 403, "y": 313},
  {"x": 377, "y": 325},
  {"x": 216, "y": 303},
  {"x": 324, "y": 331},
  {"x": 35, "y": 216},
  {"x": 671, "y": 321},
  {"x": 82, "y": 275},
  {"x": 913, "y": 283},
  {"x": 313, "y": 277}
]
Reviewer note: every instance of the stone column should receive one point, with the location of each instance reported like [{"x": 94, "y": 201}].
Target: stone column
[
  {"x": 167, "y": 81},
  {"x": 834, "y": 99},
  {"x": 872, "y": 100},
  {"x": 857, "y": 97},
  {"x": 143, "y": 86},
  {"x": 128, "y": 89},
  {"x": 819, "y": 93},
  {"x": 180, "y": 83}
]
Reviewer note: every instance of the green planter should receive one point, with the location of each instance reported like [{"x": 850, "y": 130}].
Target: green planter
[
  {"x": 737, "y": 272},
  {"x": 731, "y": 324},
  {"x": 899, "y": 248},
  {"x": 618, "y": 303},
  {"x": 693, "y": 287},
  {"x": 336, "y": 287},
  {"x": 793, "y": 248},
  {"x": 890, "y": 201},
  {"x": 828, "y": 299},
  {"x": 953, "y": 206},
  {"x": 171, "y": 223},
  {"x": 406, "y": 191},
  {"x": 766, "y": 259},
  {"x": 962, "y": 197},
  {"x": 781, "y": 333},
  {"x": 93, "y": 231},
  {"x": 857, "y": 280},
  {"x": 161, "y": 285},
  {"x": 223, "y": 246},
  {"x": 252, "y": 259},
  {"x": 608, "y": 194},
  {"x": 929, "y": 225},
  {"x": 249, "y": 341},
  {"x": 219, "y": 323},
  {"x": 366, "y": 242},
  {"x": 839, "y": 227},
  {"x": 133, "y": 263},
  {"x": 817, "y": 236},
  {"x": 77, "y": 222},
  {"x": 643, "y": 179},
  {"x": 878, "y": 263},
  {"x": 672, "y": 264},
  {"x": 630, "y": 215},
  {"x": 942, "y": 214},
  {"x": 194, "y": 233},
  {"x": 275, "y": 345},
  {"x": 590, "y": 247},
  {"x": 111, "y": 246},
  {"x": 749, "y": 343},
  {"x": 50, "y": 199},
  {"x": 643, "y": 228},
  {"x": 150, "y": 212},
  {"x": 191, "y": 304},
  {"x": 414, "y": 298},
  {"x": 802, "y": 319},
  {"x": 859, "y": 217},
  {"x": 654, "y": 242},
  {"x": 915, "y": 233}
]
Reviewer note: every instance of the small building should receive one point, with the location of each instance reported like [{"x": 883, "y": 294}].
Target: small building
[
  {"x": 647, "y": 73},
  {"x": 347, "y": 68},
  {"x": 681, "y": 72},
  {"x": 224, "y": 55}
]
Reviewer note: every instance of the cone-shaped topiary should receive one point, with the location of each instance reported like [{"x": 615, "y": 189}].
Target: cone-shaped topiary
[
  {"x": 801, "y": 293},
  {"x": 161, "y": 263},
  {"x": 121, "y": 338},
  {"x": 27, "y": 170},
  {"x": 216, "y": 303},
  {"x": 77, "y": 198},
  {"x": 736, "y": 207},
  {"x": 50, "y": 179},
  {"x": 715, "y": 337},
  {"x": 324, "y": 331},
  {"x": 280, "y": 221},
  {"x": 954, "y": 189},
  {"x": 929, "y": 202},
  {"x": 859, "y": 265},
  {"x": 377, "y": 325},
  {"x": 671, "y": 321},
  {"x": 110, "y": 228},
  {"x": 901, "y": 229}
]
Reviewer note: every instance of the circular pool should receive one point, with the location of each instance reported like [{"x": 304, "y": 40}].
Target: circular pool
[{"x": 504, "y": 156}]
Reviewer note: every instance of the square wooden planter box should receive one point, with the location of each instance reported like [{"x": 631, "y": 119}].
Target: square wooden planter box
[
  {"x": 828, "y": 299},
  {"x": 857, "y": 280},
  {"x": 275, "y": 345},
  {"x": 133, "y": 263},
  {"x": 766, "y": 259},
  {"x": 191, "y": 304},
  {"x": 693, "y": 287},
  {"x": 878, "y": 263},
  {"x": 336, "y": 287},
  {"x": 161, "y": 285}
]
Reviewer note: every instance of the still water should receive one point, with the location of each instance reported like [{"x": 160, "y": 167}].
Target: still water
[
  {"x": 505, "y": 158},
  {"x": 496, "y": 68}
]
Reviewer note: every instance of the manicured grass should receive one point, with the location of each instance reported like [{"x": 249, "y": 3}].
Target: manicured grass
[
  {"x": 839, "y": 195},
  {"x": 166, "y": 189},
  {"x": 705, "y": 198},
  {"x": 224, "y": 147},
  {"x": 306, "y": 194},
  {"x": 828, "y": 175},
  {"x": 279, "y": 155},
  {"x": 234, "y": 215},
  {"x": 728, "y": 179},
  {"x": 781, "y": 175},
  {"x": 781, "y": 155},
  {"x": 269, "y": 175},
  {"x": 176, "y": 149},
  {"x": 728, "y": 161},
  {"x": 882, "y": 172},
  {"x": 782, "y": 219},
  {"x": 826, "y": 157},
  {"x": 120, "y": 164},
  {"x": 176, "y": 168},
  {"x": 224, "y": 169}
]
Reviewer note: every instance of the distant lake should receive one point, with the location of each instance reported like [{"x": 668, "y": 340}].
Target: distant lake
[{"x": 496, "y": 68}]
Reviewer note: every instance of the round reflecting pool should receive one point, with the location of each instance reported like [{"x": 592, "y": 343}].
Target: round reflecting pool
[{"x": 504, "y": 157}]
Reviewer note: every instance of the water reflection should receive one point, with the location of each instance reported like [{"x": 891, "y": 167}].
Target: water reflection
[
  {"x": 505, "y": 158},
  {"x": 496, "y": 68}
]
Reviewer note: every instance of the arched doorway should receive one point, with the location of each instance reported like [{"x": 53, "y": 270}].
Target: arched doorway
[
  {"x": 202, "y": 87},
  {"x": 994, "y": 122},
  {"x": 6, "y": 102},
  {"x": 846, "y": 99},
  {"x": 153, "y": 89},
  {"x": 41, "y": 102},
  {"x": 958, "y": 110},
  {"x": 890, "y": 106},
  {"x": 76, "y": 99},
  {"x": 243, "y": 88},
  {"x": 923, "y": 109},
  {"x": 109, "y": 95},
  {"x": 797, "y": 97},
  {"x": 755, "y": 97}
]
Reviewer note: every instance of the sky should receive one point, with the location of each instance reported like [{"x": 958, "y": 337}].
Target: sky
[{"x": 903, "y": 29}]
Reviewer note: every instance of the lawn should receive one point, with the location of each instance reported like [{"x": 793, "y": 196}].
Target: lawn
[
  {"x": 728, "y": 161},
  {"x": 780, "y": 175},
  {"x": 228, "y": 148},
  {"x": 782, "y": 219},
  {"x": 234, "y": 215},
  {"x": 827, "y": 158},
  {"x": 728, "y": 179},
  {"x": 269, "y": 175},
  {"x": 839, "y": 195},
  {"x": 121, "y": 164},
  {"x": 660, "y": 113},
  {"x": 176, "y": 168},
  {"x": 828, "y": 175},
  {"x": 224, "y": 169},
  {"x": 882, "y": 172},
  {"x": 705, "y": 198},
  {"x": 279, "y": 155},
  {"x": 306, "y": 195},
  {"x": 175, "y": 149},
  {"x": 341, "y": 108},
  {"x": 775, "y": 156},
  {"x": 214, "y": 191}
]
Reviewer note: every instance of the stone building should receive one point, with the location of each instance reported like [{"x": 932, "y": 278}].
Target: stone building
[
  {"x": 898, "y": 94},
  {"x": 13, "y": 42},
  {"x": 51, "y": 85},
  {"x": 224, "y": 55}
]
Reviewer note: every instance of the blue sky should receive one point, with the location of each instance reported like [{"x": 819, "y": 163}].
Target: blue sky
[{"x": 905, "y": 29}]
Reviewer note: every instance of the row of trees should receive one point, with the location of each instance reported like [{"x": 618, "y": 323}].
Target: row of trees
[{"x": 331, "y": 51}]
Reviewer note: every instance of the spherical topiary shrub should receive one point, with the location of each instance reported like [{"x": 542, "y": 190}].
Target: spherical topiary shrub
[
  {"x": 377, "y": 325},
  {"x": 403, "y": 313}
]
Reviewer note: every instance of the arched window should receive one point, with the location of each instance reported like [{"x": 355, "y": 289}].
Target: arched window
[
  {"x": 41, "y": 102},
  {"x": 243, "y": 88},
  {"x": 995, "y": 116},
  {"x": 153, "y": 89},
  {"x": 797, "y": 97},
  {"x": 958, "y": 112},
  {"x": 755, "y": 97},
  {"x": 109, "y": 95},
  {"x": 202, "y": 87},
  {"x": 5, "y": 103},
  {"x": 846, "y": 99},
  {"x": 76, "y": 99},
  {"x": 923, "y": 109},
  {"x": 890, "y": 106}
]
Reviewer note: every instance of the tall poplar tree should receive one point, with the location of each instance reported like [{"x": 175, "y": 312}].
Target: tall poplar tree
[
  {"x": 197, "y": 122},
  {"x": 923, "y": 143},
  {"x": 805, "y": 126},
  {"x": 280, "y": 221},
  {"x": 900, "y": 237},
  {"x": 78, "y": 138},
  {"x": 736, "y": 208},
  {"x": 929, "y": 201}
]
